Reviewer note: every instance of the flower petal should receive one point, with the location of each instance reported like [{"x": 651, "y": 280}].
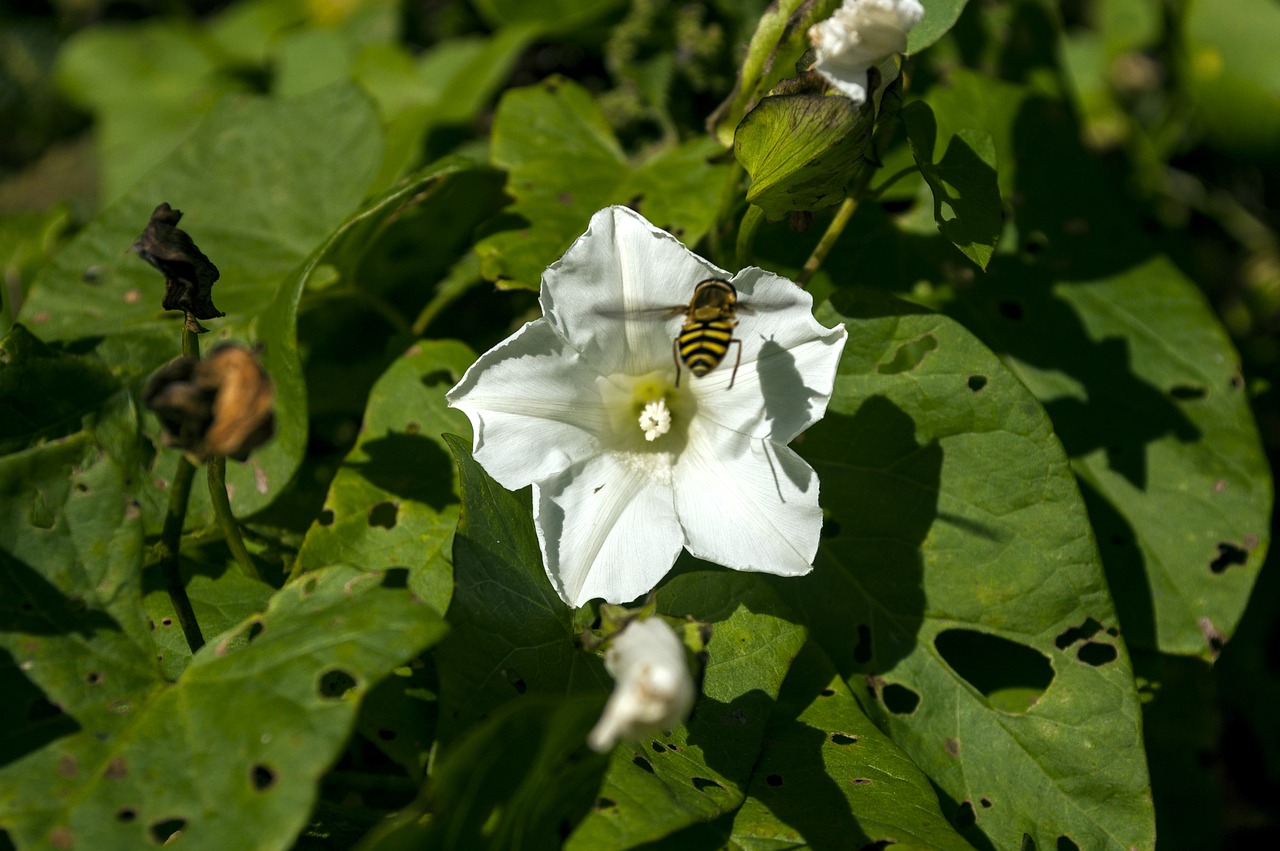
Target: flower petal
[
  {"x": 534, "y": 407},
  {"x": 606, "y": 295},
  {"x": 860, "y": 34},
  {"x": 747, "y": 504},
  {"x": 788, "y": 363},
  {"x": 607, "y": 528}
]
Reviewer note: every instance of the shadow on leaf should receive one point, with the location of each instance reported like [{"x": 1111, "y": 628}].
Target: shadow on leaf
[
  {"x": 864, "y": 601},
  {"x": 410, "y": 466}
]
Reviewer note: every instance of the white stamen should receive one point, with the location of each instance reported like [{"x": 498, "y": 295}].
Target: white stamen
[{"x": 655, "y": 420}]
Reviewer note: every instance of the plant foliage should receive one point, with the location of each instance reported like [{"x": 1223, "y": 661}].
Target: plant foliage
[{"x": 1046, "y": 493}]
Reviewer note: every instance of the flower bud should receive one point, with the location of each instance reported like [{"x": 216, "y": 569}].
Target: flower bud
[
  {"x": 654, "y": 689},
  {"x": 863, "y": 34},
  {"x": 802, "y": 147},
  {"x": 222, "y": 405}
]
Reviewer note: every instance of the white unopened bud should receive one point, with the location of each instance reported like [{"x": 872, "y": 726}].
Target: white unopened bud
[
  {"x": 860, "y": 34},
  {"x": 654, "y": 689}
]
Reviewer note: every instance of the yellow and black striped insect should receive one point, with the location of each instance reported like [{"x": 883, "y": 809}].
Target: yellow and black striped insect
[{"x": 707, "y": 333}]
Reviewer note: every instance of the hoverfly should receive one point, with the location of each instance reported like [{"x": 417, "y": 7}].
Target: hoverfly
[{"x": 707, "y": 332}]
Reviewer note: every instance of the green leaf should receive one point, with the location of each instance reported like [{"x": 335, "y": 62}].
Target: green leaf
[
  {"x": 1229, "y": 64},
  {"x": 966, "y": 198},
  {"x": 45, "y": 392},
  {"x": 958, "y": 579},
  {"x": 702, "y": 769},
  {"x": 219, "y": 602},
  {"x": 150, "y": 85},
  {"x": 446, "y": 87},
  {"x": 514, "y": 781},
  {"x": 550, "y": 17},
  {"x": 27, "y": 241},
  {"x": 1137, "y": 373},
  {"x": 829, "y": 778},
  {"x": 565, "y": 164},
  {"x": 310, "y": 58},
  {"x": 390, "y": 505},
  {"x": 258, "y": 716},
  {"x": 510, "y": 632},
  {"x": 96, "y": 287},
  {"x": 71, "y": 547},
  {"x": 399, "y": 717},
  {"x": 939, "y": 17},
  {"x": 512, "y": 636},
  {"x": 1183, "y": 733},
  {"x": 801, "y": 150}
]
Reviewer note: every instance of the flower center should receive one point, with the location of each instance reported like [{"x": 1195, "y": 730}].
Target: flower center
[
  {"x": 655, "y": 420},
  {"x": 653, "y": 402}
]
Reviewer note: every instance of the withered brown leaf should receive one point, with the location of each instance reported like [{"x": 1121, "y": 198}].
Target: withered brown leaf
[
  {"x": 188, "y": 274},
  {"x": 222, "y": 405}
]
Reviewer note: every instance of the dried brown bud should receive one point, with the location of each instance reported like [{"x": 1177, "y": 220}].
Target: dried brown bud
[
  {"x": 188, "y": 275},
  {"x": 221, "y": 405}
]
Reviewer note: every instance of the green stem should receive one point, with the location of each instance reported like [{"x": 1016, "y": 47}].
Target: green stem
[
  {"x": 217, "y": 466},
  {"x": 892, "y": 179},
  {"x": 751, "y": 220},
  {"x": 464, "y": 275},
  {"x": 190, "y": 343},
  {"x": 170, "y": 538},
  {"x": 828, "y": 241},
  {"x": 730, "y": 197}
]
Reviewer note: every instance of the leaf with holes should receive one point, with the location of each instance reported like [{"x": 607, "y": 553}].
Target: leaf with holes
[
  {"x": 318, "y": 153},
  {"x": 1137, "y": 373},
  {"x": 74, "y": 639},
  {"x": 958, "y": 576},
  {"x": 510, "y": 632},
  {"x": 512, "y": 636},
  {"x": 702, "y": 769},
  {"x": 828, "y": 777},
  {"x": 391, "y": 504},
  {"x": 258, "y": 716},
  {"x": 221, "y": 597},
  {"x": 966, "y": 198},
  {"x": 565, "y": 164}
]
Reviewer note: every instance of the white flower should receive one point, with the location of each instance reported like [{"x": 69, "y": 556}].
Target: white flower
[
  {"x": 860, "y": 34},
  {"x": 654, "y": 688},
  {"x": 569, "y": 404}
]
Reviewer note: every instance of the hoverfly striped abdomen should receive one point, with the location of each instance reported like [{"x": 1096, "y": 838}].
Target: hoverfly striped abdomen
[{"x": 707, "y": 332}]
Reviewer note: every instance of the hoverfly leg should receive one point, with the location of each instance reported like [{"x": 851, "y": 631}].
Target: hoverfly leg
[
  {"x": 675, "y": 358},
  {"x": 736, "y": 362}
]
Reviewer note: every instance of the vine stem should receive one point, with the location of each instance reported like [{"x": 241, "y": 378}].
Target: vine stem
[
  {"x": 169, "y": 543},
  {"x": 171, "y": 534},
  {"x": 751, "y": 220},
  {"x": 828, "y": 241},
  {"x": 217, "y": 469}
]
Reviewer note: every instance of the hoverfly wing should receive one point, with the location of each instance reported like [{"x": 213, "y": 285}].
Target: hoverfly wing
[{"x": 644, "y": 313}]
